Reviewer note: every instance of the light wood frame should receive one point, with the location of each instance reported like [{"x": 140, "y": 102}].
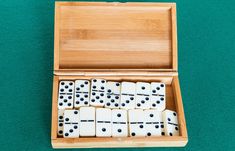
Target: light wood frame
[
  {"x": 70, "y": 43},
  {"x": 157, "y": 72},
  {"x": 174, "y": 102}
]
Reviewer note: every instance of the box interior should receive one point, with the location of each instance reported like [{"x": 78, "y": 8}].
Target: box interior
[{"x": 171, "y": 100}]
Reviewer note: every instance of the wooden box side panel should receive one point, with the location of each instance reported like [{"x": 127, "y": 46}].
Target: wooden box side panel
[
  {"x": 129, "y": 36},
  {"x": 174, "y": 141},
  {"x": 54, "y": 116},
  {"x": 179, "y": 106}
]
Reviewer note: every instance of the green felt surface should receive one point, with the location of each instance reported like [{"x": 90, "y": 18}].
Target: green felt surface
[{"x": 206, "y": 44}]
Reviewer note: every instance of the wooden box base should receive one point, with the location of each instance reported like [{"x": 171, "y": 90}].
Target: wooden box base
[{"x": 173, "y": 102}]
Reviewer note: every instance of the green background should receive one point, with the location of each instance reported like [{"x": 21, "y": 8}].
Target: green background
[{"x": 206, "y": 44}]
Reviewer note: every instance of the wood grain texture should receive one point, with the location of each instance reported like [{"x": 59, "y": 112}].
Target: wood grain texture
[
  {"x": 174, "y": 38},
  {"x": 54, "y": 112},
  {"x": 56, "y": 37},
  {"x": 115, "y": 36},
  {"x": 167, "y": 141},
  {"x": 111, "y": 72},
  {"x": 179, "y": 106}
]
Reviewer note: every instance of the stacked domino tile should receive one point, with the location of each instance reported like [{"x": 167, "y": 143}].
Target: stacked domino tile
[{"x": 124, "y": 109}]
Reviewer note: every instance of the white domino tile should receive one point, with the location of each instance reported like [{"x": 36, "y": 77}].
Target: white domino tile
[
  {"x": 171, "y": 125},
  {"x": 136, "y": 123},
  {"x": 127, "y": 95},
  {"x": 152, "y": 122},
  {"x": 142, "y": 96},
  {"x": 66, "y": 95},
  {"x": 82, "y": 93},
  {"x": 119, "y": 123},
  {"x": 87, "y": 121},
  {"x": 103, "y": 122},
  {"x": 113, "y": 95},
  {"x": 71, "y": 123},
  {"x": 158, "y": 96},
  {"x": 60, "y": 122}
]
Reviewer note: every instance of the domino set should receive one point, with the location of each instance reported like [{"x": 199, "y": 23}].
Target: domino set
[
  {"x": 116, "y": 80},
  {"x": 124, "y": 95},
  {"x": 105, "y": 122},
  {"x": 140, "y": 114}
]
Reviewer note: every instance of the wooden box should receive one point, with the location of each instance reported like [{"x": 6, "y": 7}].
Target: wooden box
[{"x": 117, "y": 41}]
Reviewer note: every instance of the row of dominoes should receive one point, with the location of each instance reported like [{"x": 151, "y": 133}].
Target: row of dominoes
[
  {"x": 104, "y": 122},
  {"x": 124, "y": 95}
]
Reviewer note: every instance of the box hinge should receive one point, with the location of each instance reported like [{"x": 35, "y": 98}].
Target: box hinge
[{"x": 115, "y": 73}]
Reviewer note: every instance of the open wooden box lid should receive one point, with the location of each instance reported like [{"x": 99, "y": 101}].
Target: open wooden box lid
[{"x": 115, "y": 36}]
